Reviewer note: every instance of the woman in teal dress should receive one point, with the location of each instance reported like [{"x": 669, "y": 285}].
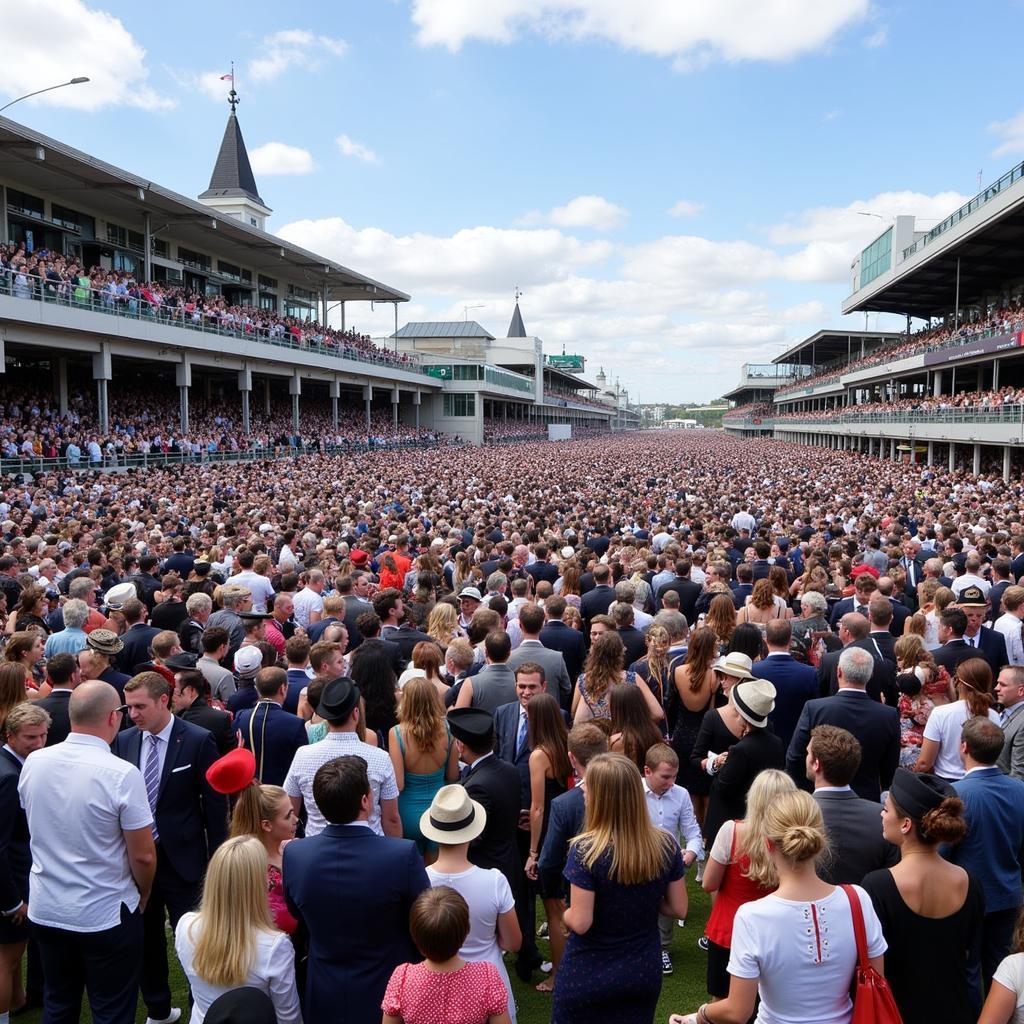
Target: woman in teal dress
[{"x": 423, "y": 755}]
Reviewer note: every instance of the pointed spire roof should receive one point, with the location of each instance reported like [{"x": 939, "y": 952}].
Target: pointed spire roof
[
  {"x": 232, "y": 174},
  {"x": 517, "y": 329}
]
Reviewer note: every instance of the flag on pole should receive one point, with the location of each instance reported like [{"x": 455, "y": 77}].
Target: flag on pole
[{"x": 230, "y": 76}]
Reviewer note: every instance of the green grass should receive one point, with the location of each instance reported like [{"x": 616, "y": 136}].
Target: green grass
[{"x": 683, "y": 991}]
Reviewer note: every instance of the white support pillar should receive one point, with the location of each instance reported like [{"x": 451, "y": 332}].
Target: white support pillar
[
  {"x": 395, "y": 398},
  {"x": 1007, "y": 451},
  {"x": 931, "y": 453},
  {"x": 266, "y": 396},
  {"x": 295, "y": 390},
  {"x": 995, "y": 375},
  {"x": 245, "y": 386},
  {"x": 335, "y": 393},
  {"x": 368, "y": 399},
  {"x": 417, "y": 397},
  {"x": 62, "y": 384},
  {"x": 102, "y": 374},
  {"x": 977, "y": 460},
  {"x": 952, "y": 456},
  {"x": 183, "y": 378}
]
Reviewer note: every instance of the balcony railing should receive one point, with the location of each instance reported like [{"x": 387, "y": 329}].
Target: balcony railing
[
  {"x": 1004, "y": 414},
  {"x": 96, "y": 300}
]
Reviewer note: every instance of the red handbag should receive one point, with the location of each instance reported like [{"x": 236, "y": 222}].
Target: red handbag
[{"x": 872, "y": 998}]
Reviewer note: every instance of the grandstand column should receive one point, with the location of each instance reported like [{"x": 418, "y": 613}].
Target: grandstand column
[
  {"x": 62, "y": 384},
  {"x": 417, "y": 398},
  {"x": 335, "y": 393},
  {"x": 266, "y": 396},
  {"x": 395, "y": 398},
  {"x": 995, "y": 375},
  {"x": 245, "y": 386},
  {"x": 937, "y": 384},
  {"x": 952, "y": 456},
  {"x": 295, "y": 390},
  {"x": 976, "y": 463},
  {"x": 101, "y": 373},
  {"x": 368, "y": 399},
  {"x": 1007, "y": 451},
  {"x": 183, "y": 378},
  {"x": 980, "y": 378},
  {"x": 931, "y": 453}
]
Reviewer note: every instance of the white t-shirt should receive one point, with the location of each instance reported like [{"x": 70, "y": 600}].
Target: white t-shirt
[
  {"x": 488, "y": 894},
  {"x": 307, "y": 601},
  {"x": 272, "y": 971},
  {"x": 944, "y": 725},
  {"x": 1010, "y": 974},
  {"x": 262, "y": 591},
  {"x": 803, "y": 955}
]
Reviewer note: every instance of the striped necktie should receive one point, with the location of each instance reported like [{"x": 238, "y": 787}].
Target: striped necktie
[{"x": 152, "y": 776}]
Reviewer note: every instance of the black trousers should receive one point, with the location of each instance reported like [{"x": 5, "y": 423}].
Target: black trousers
[
  {"x": 171, "y": 898},
  {"x": 105, "y": 965},
  {"x": 526, "y": 902}
]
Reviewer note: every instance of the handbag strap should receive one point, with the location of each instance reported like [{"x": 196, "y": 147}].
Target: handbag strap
[{"x": 857, "y": 913}]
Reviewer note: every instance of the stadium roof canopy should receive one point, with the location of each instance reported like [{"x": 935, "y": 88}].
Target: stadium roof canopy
[
  {"x": 825, "y": 346},
  {"x": 42, "y": 164},
  {"x": 443, "y": 329}
]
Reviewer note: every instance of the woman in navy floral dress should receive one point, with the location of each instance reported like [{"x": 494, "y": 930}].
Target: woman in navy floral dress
[{"x": 622, "y": 872}]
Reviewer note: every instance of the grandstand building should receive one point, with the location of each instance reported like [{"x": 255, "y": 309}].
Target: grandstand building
[
  {"x": 950, "y": 392},
  {"x": 245, "y": 321}
]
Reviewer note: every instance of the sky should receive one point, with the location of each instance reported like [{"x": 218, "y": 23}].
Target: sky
[{"x": 675, "y": 186}]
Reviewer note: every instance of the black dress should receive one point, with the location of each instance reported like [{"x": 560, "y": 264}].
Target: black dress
[
  {"x": 684, "y": 741},
  {"x": 926, "y": 962},
  {"x": 712, "y": 735}
]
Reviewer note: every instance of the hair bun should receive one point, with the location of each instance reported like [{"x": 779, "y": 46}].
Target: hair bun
[
  {"x": 944, "y": 823},
  {"x": 801, "y": 842}
]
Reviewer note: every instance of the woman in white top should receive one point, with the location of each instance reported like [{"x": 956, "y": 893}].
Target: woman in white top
[
  {"x": 1005, "y": 1002},
  {"x": 796, "y": 947},
  {"x": 940, "y": 752},
  {"x": 232, "y": 942},
  {"x": 493, "y": 926}
]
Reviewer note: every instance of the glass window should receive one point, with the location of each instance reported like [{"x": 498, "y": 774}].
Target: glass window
[
  {"x": 193, "y": 259},
  {"x": 270, "y": 283},
  {"x": 876, "y": 259},
  {"x": 31, "y": 206},
  {"x": 459, "y": 405}
]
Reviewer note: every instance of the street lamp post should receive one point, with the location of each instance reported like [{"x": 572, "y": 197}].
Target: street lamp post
[{"x": 60, "y": 85}]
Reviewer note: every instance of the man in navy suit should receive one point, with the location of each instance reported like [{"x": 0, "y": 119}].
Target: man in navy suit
[
  {"x": 137, "y": 637},
  {"x": 795, "y": 684},
  {"x": 991, "y": 850},
  {"x": 687, "y": 590},
  {"x": 876, "y": 726},
  {"x": 863, "y": 590},
  {"x": 271, "y": 733},
  {"x": 598, "y": 600},
  {"x": 190, "y": 819},
  {"x": 986, "y": 643},
  {"x": 542, "y": 569},
  {"x": 352, "y": 890},
  {"x": 557, "y": 636}
]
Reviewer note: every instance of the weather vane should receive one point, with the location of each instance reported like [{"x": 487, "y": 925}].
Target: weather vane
[
  {"x": 233, "y": 99},
  {"x": 519, "y": 294}
]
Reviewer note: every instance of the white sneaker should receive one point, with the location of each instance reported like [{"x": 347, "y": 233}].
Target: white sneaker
[
  {"x": 545, "y": 968},
  {"x": 174, "y": 1015},
  {"x": 681, "y": 922}
]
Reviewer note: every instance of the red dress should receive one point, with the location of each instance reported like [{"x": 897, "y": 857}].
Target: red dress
[
  {"x": 735, "y": 890},
  {"x": 278, "y": 907},
  {"x": 467, "y": 996}
]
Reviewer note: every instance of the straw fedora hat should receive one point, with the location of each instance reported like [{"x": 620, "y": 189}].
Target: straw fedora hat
[{"x": 453, "y": 817}]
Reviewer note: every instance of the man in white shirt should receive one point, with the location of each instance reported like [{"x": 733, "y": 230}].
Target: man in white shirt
[
  {"x": 670, "y": 809},
  {"x": 1011, "y": 622},
  {"x": 971, "y": 577},
  {"x": 309, "y": 605},
  {"x": 339, "y": 708},
  {"x": 93, "y": 862},
  {"x": 257, "y": 584}
]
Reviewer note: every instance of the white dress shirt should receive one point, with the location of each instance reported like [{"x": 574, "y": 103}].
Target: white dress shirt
[
  {"x": 1010, "y": 626},
  {"x": 163, "y": 743},
  {"x": 673, "y": 812},
  {"x": 78, "y": 798}
]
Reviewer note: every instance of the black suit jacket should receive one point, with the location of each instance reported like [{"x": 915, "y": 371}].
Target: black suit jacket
[
  {"x": 354, "y": 607},
  {"x": 688, "y": 592},
  {"x": 405, "y": 639},
  {"x": 56, "y": 705},
  {"x": 881, "y": 644},
  {"x": 634, "y": 642},
  {"x": 506, "y": 733},
  {"x": 495, "y": 784},
  {"x": 213, "y": 720},
  {"x": 191, "y": 817},
  {"x": 854, "y": 828},
  {"x": 748, "y": 757},
  {"x": 543, "y": 571},
  {"x": 991, "y": 647},
  {"x": 882, "y": 681},
  {"x": 557, "y": 636},
  {"x": 995, "y": 599},
  {"x": 596, "y": 602},
  {"x": 875, "y": 725},
  {"x": 15, "y": 857},
  {"x": 841, "y": 608},
  {"x": 136, "y": 647}
]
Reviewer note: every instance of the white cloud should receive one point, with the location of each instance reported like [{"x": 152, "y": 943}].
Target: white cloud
[
  {"x": 1011, "y": 135},
  {"x": 211, "y": 83},
  {"x": 349, "y": 147},
  {"x": 685, "y": 208},
  {"x": 588, "y": 212},
  {"x": 47, "y": 42},
  {"x": 877, "y": 38},
  {"x": 694, "y": 32},
  {"x": 280, "y": 158},
  {"x": 293, "y": 48}
]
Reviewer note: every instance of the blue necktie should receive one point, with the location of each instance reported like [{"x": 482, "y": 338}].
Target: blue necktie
[
  {"x": 152, "y": 776},
  {"x": 521, "y": 737}
]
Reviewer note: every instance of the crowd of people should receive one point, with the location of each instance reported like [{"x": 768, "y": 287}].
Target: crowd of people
[
  {"x": 1005, "y": 319},
  {"x": 51, "y": 276},
  {"x": 352, "y": 728}
]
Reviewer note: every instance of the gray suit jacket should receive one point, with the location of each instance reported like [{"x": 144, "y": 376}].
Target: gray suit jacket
[
  {"x": 1011, "y": 760},
  {"x": 493, "y": 686},
  {"x": 555, "y": 674},
  {"x": 854, "y": 828}
]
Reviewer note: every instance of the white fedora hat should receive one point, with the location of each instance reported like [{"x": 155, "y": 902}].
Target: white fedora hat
[{"x": 453, "y": 817}]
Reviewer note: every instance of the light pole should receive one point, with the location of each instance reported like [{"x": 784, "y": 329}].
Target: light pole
[{"x": 49, "y": 88}]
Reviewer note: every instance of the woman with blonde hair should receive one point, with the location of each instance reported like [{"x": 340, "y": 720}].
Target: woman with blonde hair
[
  {"x": 761, "y": 606},
  {"x": 443, "y": 624},
  {"x": 622, "y": 871},
  {"x": 653, "y": 667},
  {"x": 941, "y": 600},
  {"x": 739, "y": 870},
  {"x": 796, "y": 948},
  {"x": 423, "y": 754},
  {"x": 694, "y": 685},
  {"x": 426, "y": 663},
  {"x": 12, "y": 689},
  {"x": 940, "y": 751},
  {"x": 231, "y": 941}
]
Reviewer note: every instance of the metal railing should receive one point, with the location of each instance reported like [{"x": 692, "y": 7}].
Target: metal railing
[
  {"x": 260, "y": 453},
  {"x": 95, "y": 300},
  {"x": 1004, "y": 414}
]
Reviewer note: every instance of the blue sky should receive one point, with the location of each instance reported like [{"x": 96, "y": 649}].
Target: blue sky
[{"x": 673, "y": 184}]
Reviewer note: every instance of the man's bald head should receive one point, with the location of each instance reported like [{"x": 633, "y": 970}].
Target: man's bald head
[
  {"x": 856, "y": 625},
  {"x": 91, "y": 703}
]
